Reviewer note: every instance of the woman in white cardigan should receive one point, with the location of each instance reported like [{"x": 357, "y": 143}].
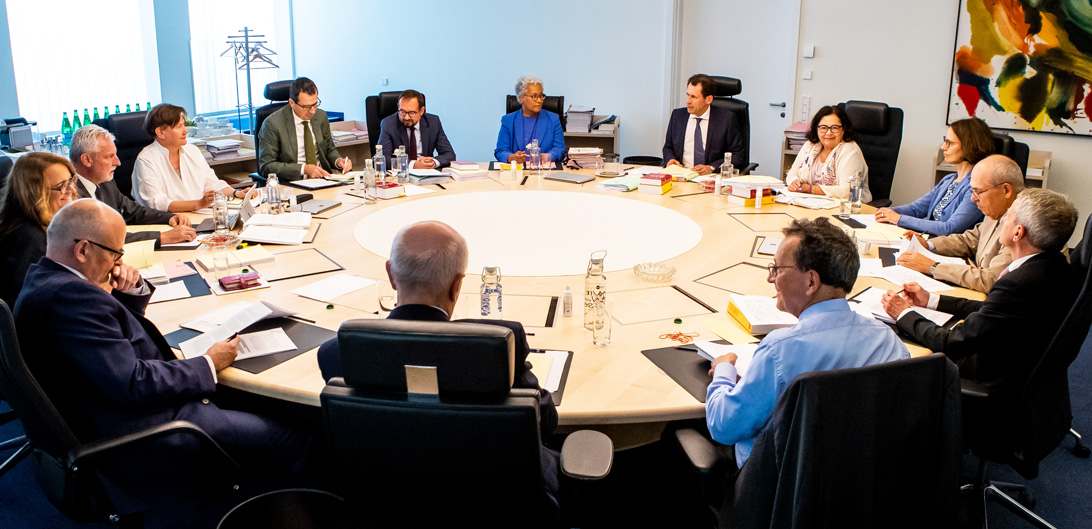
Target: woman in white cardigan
[
  {"x": 830, "y": 158},
  {"x": 170, "y": 174}
]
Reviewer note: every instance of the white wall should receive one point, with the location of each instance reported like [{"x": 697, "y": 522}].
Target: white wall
[
  {"x": 902, "y": 55},
  {"x": 466, "y": 56}
]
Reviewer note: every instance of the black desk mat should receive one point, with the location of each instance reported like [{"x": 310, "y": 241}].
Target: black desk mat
[
  {"x": 686, "y": 367},
  {"x": 305, "y": 336}
]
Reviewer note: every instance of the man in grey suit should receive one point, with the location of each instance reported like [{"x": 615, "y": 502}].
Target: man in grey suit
[
  {"x": 295, "y": 141},
  {"x": 421, "y": 133},
  {"x": 95, "y": 157}
]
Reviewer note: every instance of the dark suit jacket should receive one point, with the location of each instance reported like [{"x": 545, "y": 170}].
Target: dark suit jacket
[
  {"x": 133, "y": 213},
  {"x": 393, "y": 133},
  {"x": 19, "y": 249},
  {"x": 722, "y": 136},
  {"x": 109, "y": 372},
  {"x": 278, "y": 151},
  {"x": 1002, "y": 338}
]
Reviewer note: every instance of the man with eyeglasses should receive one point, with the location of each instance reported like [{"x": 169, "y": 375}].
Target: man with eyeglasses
[
  {"x": 110, "y": 372},
  {"x": 699, "y": 134},
  {"x": 420, "y": 133},
  {"x": 995, "y": 183},
  {"x": 295, "y": 141},
  {"x": 814, "y": 268}
]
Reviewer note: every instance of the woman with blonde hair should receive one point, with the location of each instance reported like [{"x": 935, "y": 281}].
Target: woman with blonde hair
[{"x": 40, "y": 184}]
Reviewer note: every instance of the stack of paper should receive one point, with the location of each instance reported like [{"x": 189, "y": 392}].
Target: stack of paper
[
  {"x": 578, "y": 118},
  {"x": 465, "y": 166},
  {"x": 912, "y": 245},
  {"x": 238, "y": 258},
  {"x": 466, "y": 174},
  {"x": 286, "y": 228},
  {"x": 297, "y": 219},
  {"x": 744, "y": 352},
  {"x": 758, "y": 314},
  {"x": 620, "y": 184},
  {"x": 220, "y": 316},
  {"x": 225, "y": 148},
  {"x": 427, "y": 176},
  {"x": 677, "y": 172},
  {"x": 796, "y": 135},
  {"x": 258, "y": 344},
  {"x": 584, "y": 157},
  {"x": 871, "y": 300}
]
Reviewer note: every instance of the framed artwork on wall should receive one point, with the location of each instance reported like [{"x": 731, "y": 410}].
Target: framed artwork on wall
[{"x": 1020, "y": 67}]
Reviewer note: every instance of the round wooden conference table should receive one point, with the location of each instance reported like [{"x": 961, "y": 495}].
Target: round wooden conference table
[{"x": 615, "y": 388}]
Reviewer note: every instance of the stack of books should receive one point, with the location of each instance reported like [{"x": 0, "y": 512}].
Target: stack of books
[
  {"x": 465, "y": 166},
  {"x": 387, "y": 190},
  {"x": 578, "y": 119},
  {"x": 465, "y": 174},
  {"x": 758, "y": 314},
  {"x": 795, "y": 135},
  {"x": 223, "y": 148},
  {"x": 655, "y": 184},
  {"x": 584, "y": 157},
  {"x": 605, "y": 125},
  {"x": 746, "y": 196}
]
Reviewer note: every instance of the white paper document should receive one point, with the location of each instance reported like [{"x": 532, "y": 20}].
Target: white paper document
[
  {"x": 871, "y": 300},
  {"x": 425, "y": 172},
  {"x": 557, "y": 368},
  {"x": 297, "y": 219},
  {"x": 870, "y": 267},
  {"x": 315, "y": 183},
  {"x": 200, "y": 344},
  {"x": 900, "y": 275},
  {"x": 170, "y": 291},
  {"x": 745, "y": 352},
  {"x": 332, "y": 287},
  {"x": 414, "y": 190},
  {"x": 271, "y": 235},
  {"x": 912, "y": 245},
  {"x": 769, "y": 246},
  {"x": 220, "y": 316},
  {"x": 264, "y": 343}
]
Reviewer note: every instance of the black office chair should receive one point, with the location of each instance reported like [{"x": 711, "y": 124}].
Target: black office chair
[
  {"x": 1019, "y": 428},
  {"x": 1008, "y": 146},
  {"x": 288, "y": 509},
  {"x": 277, "y": 93},
  {"x": 724, "y": 97},
  {"x": 6, "y": 163},
  {"x": 130, "y": 138},
  {"x": 875, "y": 446},
  {"x": 555, "y": 104},
  {"x": 654, "y": 161},
  {"x": 70, "y": 469},
  {"x": 19, "y": 443},
  {"x": 376, "y": 108},
  {"x": 426, "y": 411},
  {"x": 879, "y": 134}
]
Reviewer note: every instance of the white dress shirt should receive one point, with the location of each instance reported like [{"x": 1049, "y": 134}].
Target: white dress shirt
[
  {"x": 90, "y": 186},
  {"x": 157, "y": 184},
  {"x": 688, "y": 137},
  {"x": 301, "y": 155},
  {"x": 934, "y": 299}
]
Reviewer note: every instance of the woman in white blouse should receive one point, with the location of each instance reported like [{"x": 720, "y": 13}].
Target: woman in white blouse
[
  {"x": 830, "y": 158},
  {"x": 171, "y": 174}
]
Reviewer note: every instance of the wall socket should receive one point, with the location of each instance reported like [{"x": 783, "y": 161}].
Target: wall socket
[{"x": 805, "y": 107}]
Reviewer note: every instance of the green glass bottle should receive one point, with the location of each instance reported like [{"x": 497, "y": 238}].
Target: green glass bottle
[
  {"x": 138, "y": 107},
  {"x": 128, "y": 108},
  {"x": 149, "y": 105},
  {"x": 66, "y": 129},
  {"x": 96, "y": 116},
  {"x": 105, "y": 111},
  {"x": 86, "y": 117},
  {"x": 76, "y": 120},
  {"x": 117, "y": 109}
]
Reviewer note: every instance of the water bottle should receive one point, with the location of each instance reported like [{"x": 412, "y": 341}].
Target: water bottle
[
  {"x": 66, "y": 129},
  {"x": 491, "y": 292},
  {"x": 534, "y": 158},
  {"x": 76, "y": 120},
  {"x": 403, "y": 163},
  {"x": 595, "y": 288},
  {"x": 856, "y": 189},
  {"x": 220, "y": 212},
  {"x": 380, "y": 164},
  {"x": 369, "y": 181},
  {"x": 86, "y": 116},
  {"x": 726, "y": 167},
  {"x": 273, "y": 193}
]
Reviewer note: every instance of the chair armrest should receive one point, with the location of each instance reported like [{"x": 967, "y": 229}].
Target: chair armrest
[
  {"x": 749, "y": 169},
  {"x": 880, "y": 203},
  {"x": 974, "y": 390},
  {"x": 94, "y": 449},
  {"x": 258, "y": 179},
  {"x": 587, "y": 455},
  {"x": 699, "y": 449}
]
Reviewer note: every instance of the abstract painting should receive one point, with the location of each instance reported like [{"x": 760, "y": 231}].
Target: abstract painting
[{"x": 1024, "y": 65}]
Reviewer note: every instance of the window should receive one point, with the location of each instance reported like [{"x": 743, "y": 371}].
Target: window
[{"x": 82, "y": 59}]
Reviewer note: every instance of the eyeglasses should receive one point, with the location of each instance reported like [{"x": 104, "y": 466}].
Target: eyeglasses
[
  {"x": 308, "y": 108},
  {"x": 830, "y": 128},
  {"x": 65, "y": 186},
  {"x": 978, "y": 193},
  {"x": 405, "y": 114},
  {"x": 773, "y": 269},
  {"x": 536, "y": 97},
  {"x": 117, "y": 253},
  {"x": 948, "y": 143}
]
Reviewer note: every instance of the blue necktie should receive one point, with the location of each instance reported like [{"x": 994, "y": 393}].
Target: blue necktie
[{"x": 699, "y": 148}]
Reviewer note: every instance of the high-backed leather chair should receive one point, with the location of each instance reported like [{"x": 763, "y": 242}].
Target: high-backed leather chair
[
  {"x": 69, "y": 467},
  {"x": 724, "y": 97},
  {"x": 1008, "y": 146},
  {"x": 130, "y": 138},
  {"x": 426, "y": 410},
  {"x": 879, "y": 134},
  {"x": 555, "y": 104},
  {"x": 277, "y": 93},
  {"x": 6, "y": 163},
  {"x": 376, "y": 108},
  {"x": 875, "y": 446}
]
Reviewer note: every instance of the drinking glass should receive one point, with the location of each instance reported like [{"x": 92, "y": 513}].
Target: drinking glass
[
  {"x": 601, "y": 328},
  {"x": 546, "y": 165},
  {"x": 611, "y": 165}
]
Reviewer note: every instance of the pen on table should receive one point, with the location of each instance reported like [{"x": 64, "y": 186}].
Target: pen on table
[
  {"x": 441, "y": 186},
  {"x": 628, "y": 168},
  {"x": 524, "y": 180},
  {"x": 298, "y": 318},
  {"x": 530, "y": 334}
]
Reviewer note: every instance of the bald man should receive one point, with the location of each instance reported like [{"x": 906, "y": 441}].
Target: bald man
[{"x": 110, "y": 372}]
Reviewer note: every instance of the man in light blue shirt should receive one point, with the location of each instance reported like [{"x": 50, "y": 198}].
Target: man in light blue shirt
[{"x": 814, "y": 268}]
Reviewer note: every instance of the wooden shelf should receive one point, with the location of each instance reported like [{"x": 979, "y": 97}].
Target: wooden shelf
[{"x": 608, "y": 142}]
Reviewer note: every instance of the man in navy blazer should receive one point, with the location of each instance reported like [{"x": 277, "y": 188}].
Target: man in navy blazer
[
  {"x": 700, "y": 134},
  {"x": 421, "y": 133},
  {"x": 109, "y": 371}
]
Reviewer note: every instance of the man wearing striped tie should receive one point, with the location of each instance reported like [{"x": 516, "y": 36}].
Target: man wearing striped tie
[
  {"x": 700, "y": 134},
  {"x": 295, "y": 141}
]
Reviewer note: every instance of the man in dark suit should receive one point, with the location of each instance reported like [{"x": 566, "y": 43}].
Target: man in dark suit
[
  {"x": 295, "y": 141},
  {"x": 700, "y": 134},
  {"x": 421, "y": 133},
  {"x": 427, "y": 266},
  {"x": 110, "y": 372},
  {"x": 95, "y": 157},
  {"x": 1002, "y": 338}
]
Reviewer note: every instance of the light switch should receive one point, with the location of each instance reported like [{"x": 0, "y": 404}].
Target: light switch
[
  {"x": 809, "y": 51},
  {"x": 807, "y": 74}
]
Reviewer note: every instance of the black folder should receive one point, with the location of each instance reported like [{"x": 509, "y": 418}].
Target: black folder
[{"x": 305, "y": 336}]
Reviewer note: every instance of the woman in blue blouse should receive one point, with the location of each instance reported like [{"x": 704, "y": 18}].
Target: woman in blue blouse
[
  {"x": 948, "y": 208},
  {"x": 530, "y": 123}
]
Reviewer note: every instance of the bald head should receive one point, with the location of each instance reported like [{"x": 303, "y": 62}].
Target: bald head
[
  {"x": 83, "y": 220},
  {"x": 1000, "y": 169},
  {"x": 426, "y": 257}
]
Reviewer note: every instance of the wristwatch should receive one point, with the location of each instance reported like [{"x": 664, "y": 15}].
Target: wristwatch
[{"x": 933, "y": 270}]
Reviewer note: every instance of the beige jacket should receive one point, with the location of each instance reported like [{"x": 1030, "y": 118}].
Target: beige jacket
[{"x": 982, "y": 246}]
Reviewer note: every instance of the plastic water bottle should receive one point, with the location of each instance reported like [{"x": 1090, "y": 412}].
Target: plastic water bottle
[
  {"x": 403, "y": 163},
  {"x": 595, "y": 288},
  {"x": 380, "y": 164},
  {"x": 273, "y": 193},
  {"x": 534, "y": 157},
  {"x": 369, "y": 181},
  {"x": 491, "y": 293},
  {"x": 396, "y": 164},
  {"x": 220, "y": 212}
]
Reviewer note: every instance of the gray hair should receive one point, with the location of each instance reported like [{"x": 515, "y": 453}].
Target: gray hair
[
  {"x": 526, "y": 80},
  {"x": 77, "y": 220},
  {"x": 424, "y": 263},
  {"x": 1005, "y": 171},
  {"x": 86, "y": 139},
  {"x": 1048, "y": 216},
  {"x": 827, "y": 249}
]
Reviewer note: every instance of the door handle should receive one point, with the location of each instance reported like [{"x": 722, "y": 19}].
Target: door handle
[{"x": 781, "y": 104}]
